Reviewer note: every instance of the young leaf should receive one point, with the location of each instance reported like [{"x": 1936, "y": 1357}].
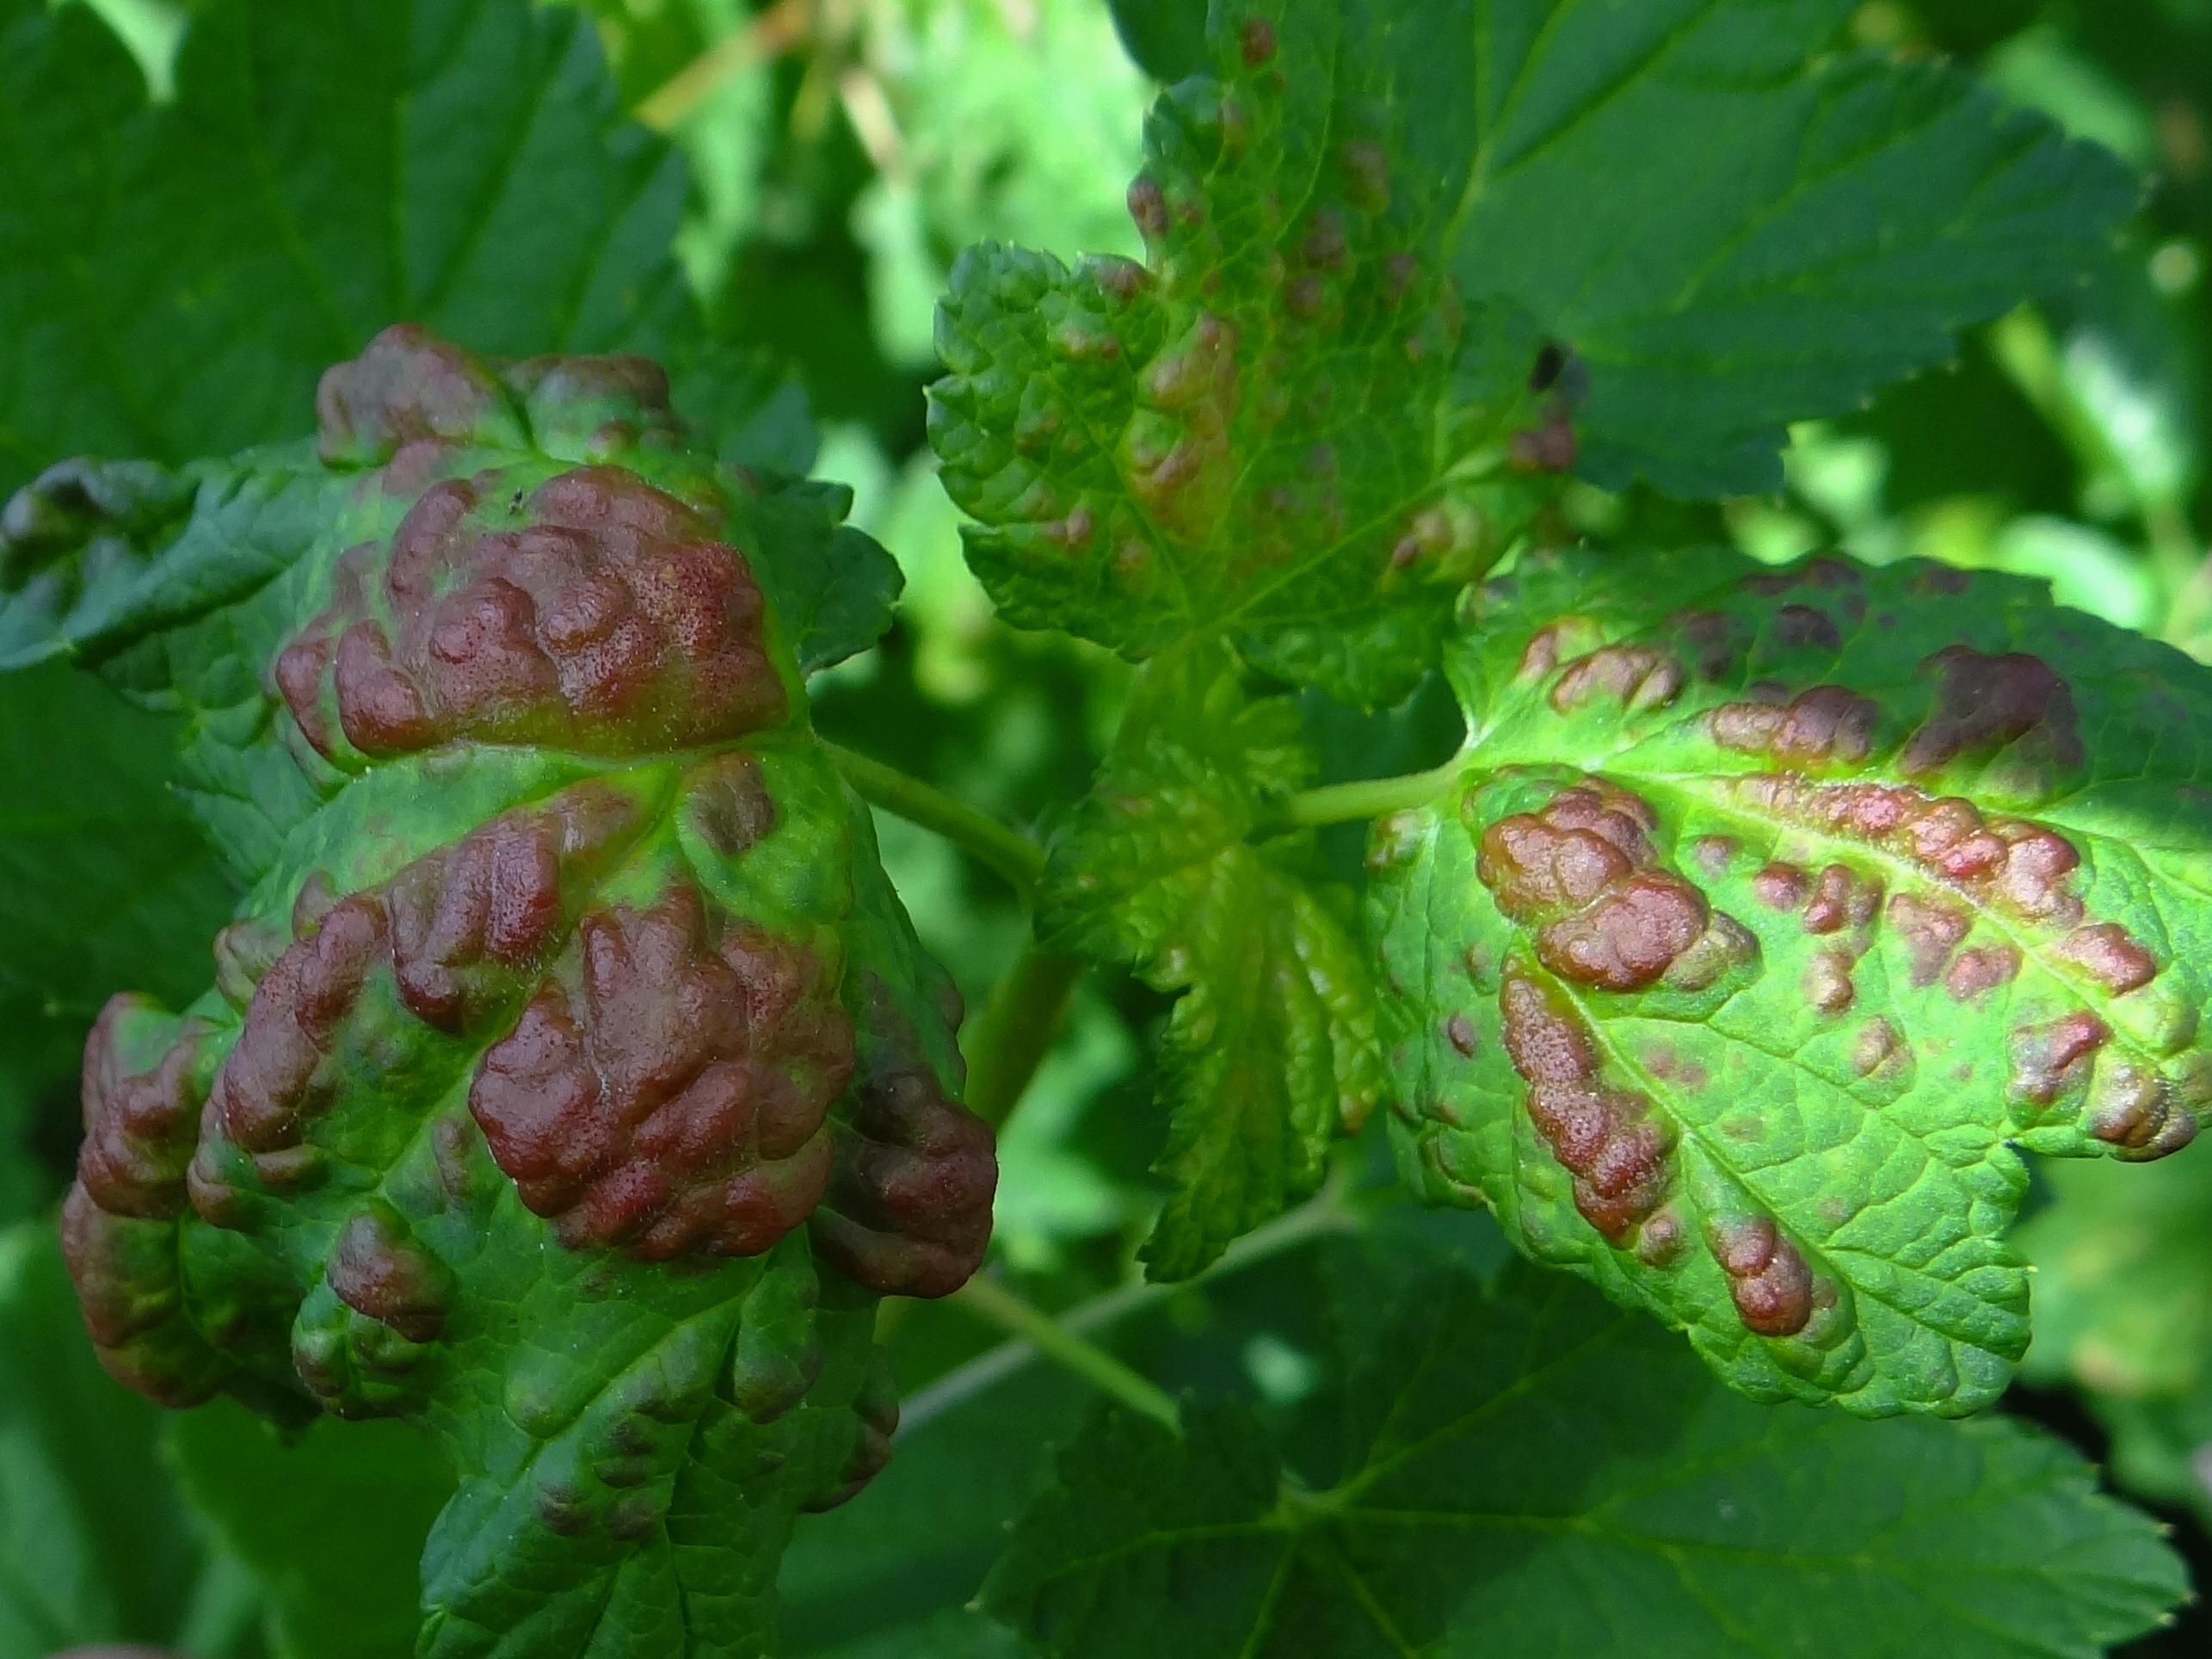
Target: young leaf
[
  {"x": 1304, "y": 420},
  {"x": 1270, "y": 1051},
  {"x": 1773, "y": 910},
  {"x": 174, "y": 277},
  {"x": 1534, "y": 1472}
]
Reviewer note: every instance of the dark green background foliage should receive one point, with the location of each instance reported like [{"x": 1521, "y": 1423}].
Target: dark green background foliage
[{"x": 1181, "y": 531}]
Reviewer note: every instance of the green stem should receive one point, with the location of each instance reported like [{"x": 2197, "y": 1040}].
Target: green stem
[
  {"x": 1324, "y": 1213},
  {"x": 993, "y": 1302},
  {"x": 1370, "y": 797},
  {"x": 1007, "y": 851},
  {"x": 1009, "y": 1038}
]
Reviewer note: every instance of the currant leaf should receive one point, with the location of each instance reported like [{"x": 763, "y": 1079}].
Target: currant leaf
[
  {"x": 572, "y": 1083},
  {"x": 1772, "y": 911},
  {"x": 1530, "y": 1471},
  {"x": 1270, "y": 1051},
  {"x": 1380, "y": 281}
]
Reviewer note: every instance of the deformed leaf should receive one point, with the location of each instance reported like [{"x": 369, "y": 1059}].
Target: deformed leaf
[
  {"x": 1773, "y": 910},
  {"x": 1390, "y": 250},
  {"x": 572, "y": 1083},
  {"x": 1270, "y": 1051},
  {"x": 1530, "y": 1471}
]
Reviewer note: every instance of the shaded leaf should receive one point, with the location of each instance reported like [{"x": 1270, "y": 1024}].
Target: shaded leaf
[
  {"x": 333, "y": 1523},
  {"x": 1531, "y": 1471},
  {"x": 94, "y": 1545},
  {"x": 177, "y": 275}
]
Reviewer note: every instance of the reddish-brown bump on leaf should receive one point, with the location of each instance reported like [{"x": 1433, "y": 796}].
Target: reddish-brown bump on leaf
[
  {"x": 1714, "y": 854},
  {"x": 130, "y": 1290},
  {"x": 1768, "y": 1279},
  {"x": 1712, "y": 639},
  {"x": 666, "y": 1089},
  {"x": 1606, "y": 1138},
  {"x": 1984, "y": 968},
  {"x": 1636, "y": 676},
  {"x": 1877, "y": 1046},
  {"x": 1628, "y": 937},
  {"x": 1583, "y": 867},
  {"x": 267, "y": 1084},
  {"x": 2009, "y": 864},
  {"x": 729, "y": 801},
  {"x": 2054, "y": 1059},
  {"x": 1659, "y": 1240},
  {"x": 378, "y": 1270},
  {"x": 1801, "y": 626},
  {"x": 1931, "y": 931},
  {"x": 2133, "y": 1109},
  {"x": 140, "y": 1128},
  {"x": 405, "y": 387},
  {"x": 2110, "y": 955},
  {"x": 1828, "y": 981},
  {"x": 612, "y": 622},
  {"x": 1821, "y": 726},
  {"x": 1782, "y": 886},
  {"x": 1255, "y": 41},
  {"x": 1459, "y": 1031},
  {"x": 1837, "y": 577},
  {"x": 1984, "y": 703},
  {"x": 908, "y": 1211},
  {"x": 1841, "y": 898}
]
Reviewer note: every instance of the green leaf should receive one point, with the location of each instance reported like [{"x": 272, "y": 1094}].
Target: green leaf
[
  {"x": 1168, "y": 38},
  {"x": 173, "y": 278},
  {"x": 2123, "y": 1278},
  {"x": 104, "y": 881},
  {"x": 1305, "y": 420},
  {"x": 836, "y": 587},
  {"x": 94, "y": 1545},
  {"x": 572, "y": 1084},
  {"x": 1772, "y": 911},
  {"x": 919, "y": 1546},
  {"x": 1271, "y": 1050},
  {"x": 1533, "y": 1472},
  {"x": 332, "y": 1523},
  {"x": 2123, "y": 1313}
]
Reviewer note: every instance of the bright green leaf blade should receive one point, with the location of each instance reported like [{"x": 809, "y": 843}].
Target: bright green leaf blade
[
  {"x": 1271, "y": 1050},
  {"x": 333, "y": 1524},
  {"x": 1301, "y": 421},
  {"x": 1775, "y": 911},
  {"x": 174, "y": 278},
  {"x": 1534, "y": 1472},
  {"x": 94, "y": 1545}
]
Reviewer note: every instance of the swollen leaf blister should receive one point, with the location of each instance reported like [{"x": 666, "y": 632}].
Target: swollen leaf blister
[
  {"x": 572, "y": 1083},
  {"x": 1771, "y": 911}
]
